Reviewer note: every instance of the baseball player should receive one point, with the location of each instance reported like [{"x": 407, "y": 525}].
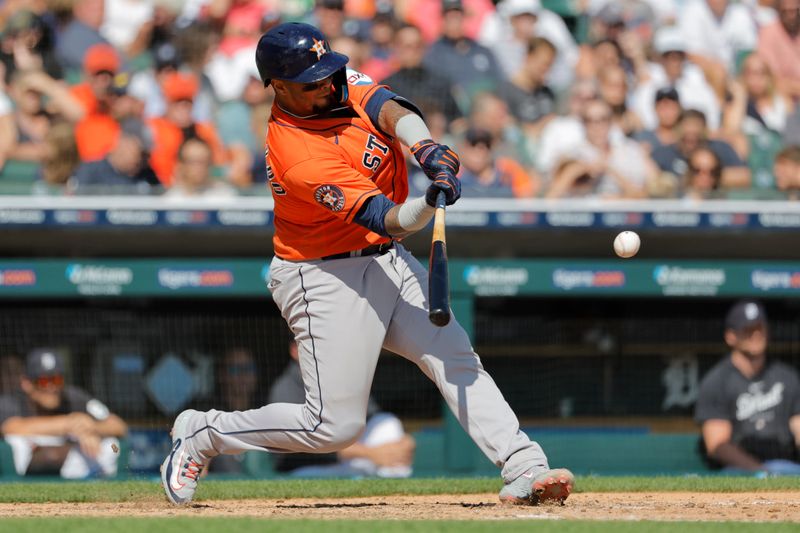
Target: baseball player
[{"x": 345, "y": 284}]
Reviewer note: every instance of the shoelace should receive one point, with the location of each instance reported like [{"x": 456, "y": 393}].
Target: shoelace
[{"x": 192, "y": 469}]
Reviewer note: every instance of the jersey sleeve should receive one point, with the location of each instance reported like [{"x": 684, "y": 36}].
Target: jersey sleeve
[
  {"x": 369, "y": 96},
  {"x": 330, "y": 183}
]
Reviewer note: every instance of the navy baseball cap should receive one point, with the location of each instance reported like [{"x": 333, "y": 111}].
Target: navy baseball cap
[
  {"x": 43, "y": 362},
  {"x": 667, "y": 93},
  {"x": 745, "y": 314}
]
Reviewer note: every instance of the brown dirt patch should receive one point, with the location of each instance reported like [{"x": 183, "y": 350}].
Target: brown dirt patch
[{"x": 766, "y": 507}]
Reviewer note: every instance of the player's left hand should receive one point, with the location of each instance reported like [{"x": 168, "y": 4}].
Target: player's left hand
[
  {"x": 434, "y": 158},
  {"x": 447, "y": 182}
]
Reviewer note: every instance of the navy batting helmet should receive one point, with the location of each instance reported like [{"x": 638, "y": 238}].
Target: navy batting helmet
[{"x": 294, "y": 51}]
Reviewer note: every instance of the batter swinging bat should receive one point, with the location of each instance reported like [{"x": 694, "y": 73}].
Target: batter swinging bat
[{"x": 438, "y": 285}]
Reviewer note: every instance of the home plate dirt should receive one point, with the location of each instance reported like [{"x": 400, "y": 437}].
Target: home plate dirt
[{"x": 761, "y": 507}]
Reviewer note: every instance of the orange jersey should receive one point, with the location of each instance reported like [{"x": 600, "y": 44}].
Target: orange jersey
[{"x": 322, "y": 170}]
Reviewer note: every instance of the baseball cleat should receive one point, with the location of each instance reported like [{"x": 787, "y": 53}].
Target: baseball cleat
[
  {"x": 181, "y": 468},
  {"x": 533, "y": 489}
]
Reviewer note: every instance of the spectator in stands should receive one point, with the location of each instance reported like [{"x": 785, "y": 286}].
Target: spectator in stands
[
  {"x": 599, "y": 56},
  {"x": 383, "y": 450},
  {"x": 428, "y": 17},
  {"x": 177, "y": 125},
  {"x": 414, "y": 80},
  {"x": 105, "y": 102},
  {"x": 779, "y": 45},
  {"x": 485, "y": 175},
  {"x": 192, "y": 178},
  {"x": 237, "y": 377},
  {"x": 197, "y": 45},
  {"x": 693, "y": 134},
  {"x": 146, "y": 84},
  {"x": 124, "y": 169},
  {"x": 378, "y": 63},
  {"x": 605, "y": 164},
  {"x": 613, "y": 86},
  {"x": 529, "y": 99},
  {"x": 128, "y": 25},
  {"x": 81, "y": 33},
  {"x": 703, "y": 175},
  {"x": 564, "y": 134},
  {"x": 749, "y": 405},
  {"x": 757, "y": 104},
  {"x": 716, "y": 32},
  {"x": 668, "y": 111},
  {"x": 240, "y": 123},
  {"x": 675, "y": 70},
  {"x": 490, "y": 113},
  {"x": 508, "y": 31},
  {"x": 38, "y": 99},
  {"x": 26, "y": 33},
  {"x": 60, "y": 159},
  {"x": 465, "y": 63},
  {"x": 787, "y": 172},
  {"x": 329, "y": 17},
  {"x": 54, "y": 428},
  {"x": 755, "y": 118},
  {"x": 228, "y": 68}
]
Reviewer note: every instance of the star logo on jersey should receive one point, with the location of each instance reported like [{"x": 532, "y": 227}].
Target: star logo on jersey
[
  {"x": 330, "y": 197},
  {"x": 319, "y": 48}
]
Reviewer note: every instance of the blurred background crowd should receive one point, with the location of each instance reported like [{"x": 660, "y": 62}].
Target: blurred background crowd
[{"x": 689, "y": 99}]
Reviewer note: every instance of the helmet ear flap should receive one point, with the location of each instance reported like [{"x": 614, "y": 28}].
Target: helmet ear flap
[{"x": 339, "y": 83}]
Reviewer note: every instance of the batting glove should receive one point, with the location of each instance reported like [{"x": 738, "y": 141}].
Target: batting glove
[
  {"x": 444, "y": 181},
  {"x": 435, "y": 158}
]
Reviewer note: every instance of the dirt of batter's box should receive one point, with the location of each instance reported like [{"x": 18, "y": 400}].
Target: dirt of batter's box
[{"x": 761, "y": 507}]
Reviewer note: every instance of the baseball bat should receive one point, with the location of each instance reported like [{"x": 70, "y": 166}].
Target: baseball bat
[{"x": 438, "y": 284}]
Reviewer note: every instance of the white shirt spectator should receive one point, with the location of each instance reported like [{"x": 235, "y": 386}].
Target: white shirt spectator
[
  {"x": 497, "y": 35},
  {"x": 627, "y": 158},
  {"x": 719, "y": 39},
  {"x": 123, "y": 19},
  {"x": 693, "y": 90},
  {"x": 229, "y": 75},
  {"x": 564, "y": 138}
]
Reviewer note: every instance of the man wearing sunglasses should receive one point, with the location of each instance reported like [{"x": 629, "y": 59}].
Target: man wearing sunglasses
[{"x": 58, "y": 429}]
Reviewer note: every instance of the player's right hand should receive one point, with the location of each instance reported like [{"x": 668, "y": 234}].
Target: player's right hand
[
  {"x": 434, "y": 158},
  {"x": 447, "y": 182}
]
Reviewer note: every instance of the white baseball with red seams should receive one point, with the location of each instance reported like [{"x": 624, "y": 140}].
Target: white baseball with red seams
[{"x": 626, "y": 244}]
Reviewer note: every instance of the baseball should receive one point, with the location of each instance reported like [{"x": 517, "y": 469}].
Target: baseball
[{"x": 626, "y": 244}]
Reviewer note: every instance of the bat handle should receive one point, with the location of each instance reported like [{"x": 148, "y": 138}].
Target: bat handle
[{"x": 441, "y": 200}]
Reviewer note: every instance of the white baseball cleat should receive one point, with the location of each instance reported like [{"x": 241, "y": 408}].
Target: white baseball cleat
[
  {"x": 181, "y": 468},
  {"x": 533, "y": 488}
]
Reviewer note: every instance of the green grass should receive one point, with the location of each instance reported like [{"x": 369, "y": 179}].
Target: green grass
[
  {"x": 247, "y": 525},
  {"x": 118, "y": 491}
]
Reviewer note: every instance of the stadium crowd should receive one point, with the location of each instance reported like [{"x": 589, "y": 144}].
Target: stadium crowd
[{"x": 686, "y": 99}]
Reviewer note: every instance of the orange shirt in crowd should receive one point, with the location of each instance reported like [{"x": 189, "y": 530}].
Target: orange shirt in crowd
[{"x": 167, "y": 140}]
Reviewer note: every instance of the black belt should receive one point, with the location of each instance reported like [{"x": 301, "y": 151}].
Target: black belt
[{"x": 378, "y": 249}]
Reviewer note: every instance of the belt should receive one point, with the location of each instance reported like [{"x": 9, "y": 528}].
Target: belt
[{"x": 378, "y": 249}]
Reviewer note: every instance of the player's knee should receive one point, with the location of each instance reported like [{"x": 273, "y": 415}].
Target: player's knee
[{"x": 341, "y": 435}]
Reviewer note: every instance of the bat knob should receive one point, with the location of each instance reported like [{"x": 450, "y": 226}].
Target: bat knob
[{"x": 439, "y": 317}]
